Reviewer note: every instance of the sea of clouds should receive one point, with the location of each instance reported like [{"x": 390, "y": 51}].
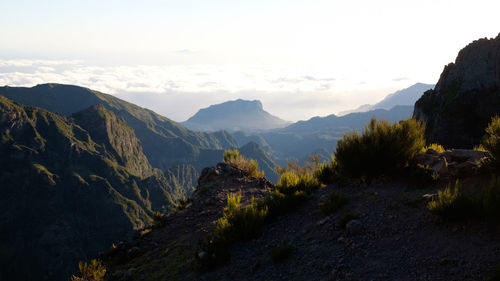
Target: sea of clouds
[{"x": 178, "y": 91}]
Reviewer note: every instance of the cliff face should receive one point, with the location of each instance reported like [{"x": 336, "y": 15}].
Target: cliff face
[{"x": 465, "y": 98}]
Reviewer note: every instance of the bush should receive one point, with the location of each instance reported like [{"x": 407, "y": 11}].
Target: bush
[
  {"x": 491, "y": 199},
  {"x": 249, "y": 166},
  {"x": 310, "y": 167},
  {"x": 327, "y": 173},
  {"x": 382, "y": 148},
  {"x": 159, "y": 219},
  {"x": 332, "y": 203},
  {"x": 93, "y": 271},
  {"x": 290, "y": 183},
  {"x": 422, "y": 176},
  {"x": 281, "y": 252},
  {"x": 453, "y": 205},
  {"x": 237, "y": 223},
  {"x": 436, "y": 146},
  {"x": 491, "y": 141}
]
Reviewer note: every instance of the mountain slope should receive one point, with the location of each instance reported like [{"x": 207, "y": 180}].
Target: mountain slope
[
  {"x": 67, "y": 193},
  {"x": 237, "y": 115},
  {"x": 465, "y": 98},
  {"x": 406, "y": 96},
  {"x": 165, "y": 142},
  {"x": 396, "y": 238}
]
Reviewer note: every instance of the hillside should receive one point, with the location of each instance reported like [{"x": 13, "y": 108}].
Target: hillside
[
  {"x": 465, "y": 98},
  {"x": 406, "y": 96},
  {"x": 299, "y": 140},
  {"x": 165, "y": 142},
  {"x": 237, "y": 115},
  {"x": 394, "y": 237},
  {"x": 69, "y": 187}
]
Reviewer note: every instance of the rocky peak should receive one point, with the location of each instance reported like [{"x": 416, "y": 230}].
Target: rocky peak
[{"x": 465, "y": 98}]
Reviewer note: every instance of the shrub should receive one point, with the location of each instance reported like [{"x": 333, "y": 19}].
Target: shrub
[
  {"x": 436, "y": 146},
  {"x": 491, "y": 141},
  {"x": 421, "y": 175},
  {"x": 158, "y": 219},
  {"x": 281, "y": 252},
  {"x": 332, "y": 203},
  {"x": 453, "y": 205},
  {"x": 239, "y": 222},
  {"x": 310, "y": 167},
  {"x": 279, "y": 203},
  {"x": 327, "y": 173},
  {"x": 290, "y": 183},
  {"x": 491, "y": 199},
  {"x": 249, "y": 166},
  {"x": 382, "y": 148},
  {"x": 93, "y": 271}
]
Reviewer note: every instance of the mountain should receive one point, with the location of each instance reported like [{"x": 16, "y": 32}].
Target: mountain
[
  {"x": 316, "y": 135},
  {"x": 465, "y": 98},
  {"x": 406, "y": 96},
  {"x": 70, "y": 186},
  {"x": 165, "y": 142},
  {"x": 237, "y": 115}
]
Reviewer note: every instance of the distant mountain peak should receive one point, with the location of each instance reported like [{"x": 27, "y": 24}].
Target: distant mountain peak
[
  {"x": 234, "y": 115},
  {"x": 406, "y": 96}
]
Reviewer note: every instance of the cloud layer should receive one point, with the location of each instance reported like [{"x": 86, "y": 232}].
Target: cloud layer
[{"x": 178, "y": 91}]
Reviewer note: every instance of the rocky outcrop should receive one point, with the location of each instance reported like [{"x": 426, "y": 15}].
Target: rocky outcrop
[
  {"x": 453, "y": 163},
  {"x": 465, "y": 98}
]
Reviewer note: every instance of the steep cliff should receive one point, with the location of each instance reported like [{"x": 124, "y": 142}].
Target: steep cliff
[{"x": 465, "y": 98}]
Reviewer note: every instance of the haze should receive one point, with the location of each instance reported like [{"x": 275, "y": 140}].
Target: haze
[{"x": 300, "y": 58}]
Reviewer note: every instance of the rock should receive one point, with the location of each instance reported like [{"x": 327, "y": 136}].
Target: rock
[
  {"x": 323, "y": 221},
  {"x": 440, "y": 166},
  {"x": 461, "y": 155},
  {"x": 465, "y": 98},
  {"x": 354, "y": 227}
]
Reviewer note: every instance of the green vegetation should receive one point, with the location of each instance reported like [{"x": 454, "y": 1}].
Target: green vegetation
[
  {"x": 249, "y": 166},
  {"x": 281, "y": 252},
  {"x": 237, "y": 223},
  {"x": 491, "y": 141},
  {"x": 332, "y": 203},
  {"x": 436, "y": 146},
  {"x": 382, "y": 148},
  {"x": 327, "y": 173},
  {"x": 93, "y": 271},
  {"x": 422, "y": 176},
  {"x": 453, "y": 205},
  {"x": 159, "y": 219}
]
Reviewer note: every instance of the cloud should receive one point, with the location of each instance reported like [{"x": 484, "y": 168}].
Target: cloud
[
  {"x": 398, "y": 79},
  {"x": 178, "y": 91}
]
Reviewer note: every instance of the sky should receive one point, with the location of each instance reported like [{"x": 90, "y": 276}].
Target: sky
[{"x": 300, "y": 58}]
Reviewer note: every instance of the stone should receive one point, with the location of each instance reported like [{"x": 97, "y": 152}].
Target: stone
[
  {"x": 465, "y": 98},
  {"x": 354, "y": 227}
]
